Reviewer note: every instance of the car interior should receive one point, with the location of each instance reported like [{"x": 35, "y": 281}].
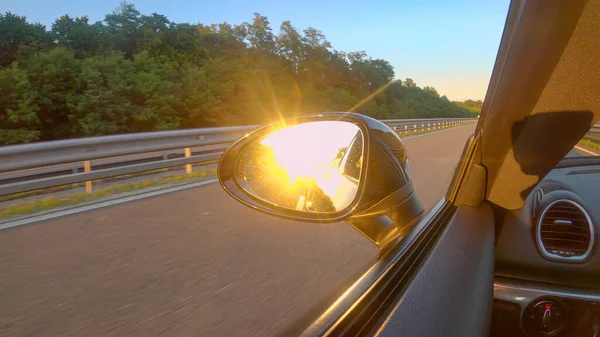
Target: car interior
[
  {"x": 547, "y": 265},
  {"x": 546, "y": 260}
]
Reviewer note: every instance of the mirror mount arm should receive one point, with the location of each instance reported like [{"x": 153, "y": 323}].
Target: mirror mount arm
[
  {"x": 390, "y": 219},
  {"x": 380, "y": 230}
]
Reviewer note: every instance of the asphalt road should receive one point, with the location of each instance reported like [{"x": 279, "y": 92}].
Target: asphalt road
[{"x": 193, "y": 262}]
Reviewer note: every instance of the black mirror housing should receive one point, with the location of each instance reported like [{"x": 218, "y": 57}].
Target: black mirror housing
[{"x": 384, "y": 187}]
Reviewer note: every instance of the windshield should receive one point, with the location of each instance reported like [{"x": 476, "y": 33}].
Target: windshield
[{"x": 588, "y": 146}]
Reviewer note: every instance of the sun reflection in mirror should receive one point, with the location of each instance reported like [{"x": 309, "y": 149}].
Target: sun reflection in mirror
[
  {"x": 311, "y": 167},
  {"x": 309, "y": 150}
]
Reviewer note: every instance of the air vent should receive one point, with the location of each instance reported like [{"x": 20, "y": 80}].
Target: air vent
[
  {"x": 565, "y": 231},
  {"x": 551, "y": 186},
  {"x": 545, "y": 188}
]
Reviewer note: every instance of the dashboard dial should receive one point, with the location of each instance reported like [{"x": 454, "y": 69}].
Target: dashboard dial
[{"x": 544, "y": 318}]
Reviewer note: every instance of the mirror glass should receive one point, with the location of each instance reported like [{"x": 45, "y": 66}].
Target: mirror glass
[{"x": 310, "y": 167}]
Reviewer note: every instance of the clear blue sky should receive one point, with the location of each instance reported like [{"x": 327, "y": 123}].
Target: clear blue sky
[{"x": 450, "y": 45}]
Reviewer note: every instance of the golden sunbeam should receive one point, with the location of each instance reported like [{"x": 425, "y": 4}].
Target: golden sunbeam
[
  {"x": 370, "y": 97},
  {"x": 266, "y": 81}
]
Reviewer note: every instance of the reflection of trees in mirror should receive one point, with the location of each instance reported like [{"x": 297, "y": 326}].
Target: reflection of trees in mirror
[
  {"x": 341, "y": 152},
  {"x": 339, "y": 156},
  {"x": 302, "y": 195},
  {"x": 318, "y": 201},
  {"x": 352, "y": 163}
]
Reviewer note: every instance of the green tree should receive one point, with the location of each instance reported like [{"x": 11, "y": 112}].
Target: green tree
[
  {"x": 78, "y": 35},
  {"x": 19, "y": 121},
  {"x": 409, "y": 83},
  {"x": 124, "y": 27},
  {"x": 471, "y": 105},
  {"x": 104, "y": 105},
  {"x": 259, "y": 35},
  {"x": 16, "y": 33},
  {"x": 54, "y": 79},
  {"x": 290, "y": 46}
]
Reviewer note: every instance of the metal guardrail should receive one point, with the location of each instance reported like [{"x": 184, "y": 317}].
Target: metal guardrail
[
  {"x": 42, "y": 165},
  {"x": 594, "y": 133}
]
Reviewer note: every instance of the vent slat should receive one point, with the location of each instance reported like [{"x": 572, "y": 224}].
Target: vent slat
[
  {"x": 569, "y": 206},
  {"x": 558, "y": 247},
  {"x": 585, "y": 235},
  {"x": 550, "y": 219},
  {"x": 565, "y": 239},
  {"x": 570, "y": 214},
  {"x": 565, "y": 214},
  {"x": 562, "y": 228}
]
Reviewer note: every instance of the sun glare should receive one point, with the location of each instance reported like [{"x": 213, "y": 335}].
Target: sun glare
[{"x": 304, "y": 151}]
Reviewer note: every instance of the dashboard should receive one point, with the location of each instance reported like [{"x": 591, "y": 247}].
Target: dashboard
[{"x": 547, "y": 260}]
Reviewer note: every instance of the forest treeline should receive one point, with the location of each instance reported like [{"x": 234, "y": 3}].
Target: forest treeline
[
  {"x": 471, "y": 105},
  {"x": 133, "y": 72}
]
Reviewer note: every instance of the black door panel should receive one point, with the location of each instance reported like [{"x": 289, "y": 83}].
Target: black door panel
[{"x": 452, "y": 293}]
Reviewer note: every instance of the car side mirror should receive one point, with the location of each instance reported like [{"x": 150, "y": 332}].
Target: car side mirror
[{"x": 326, "y": 168}]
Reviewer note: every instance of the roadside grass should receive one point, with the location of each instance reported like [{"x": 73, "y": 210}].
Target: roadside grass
[
  {"x": 51, "y": 202},
  {"x": 590, "y": 145}
]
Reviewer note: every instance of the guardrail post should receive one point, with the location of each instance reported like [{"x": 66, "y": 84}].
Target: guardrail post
[
  {"x": 87, "y": 167},
  {"x": 188, "y": 167}
]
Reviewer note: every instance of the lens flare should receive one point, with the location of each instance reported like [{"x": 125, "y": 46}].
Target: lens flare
[{"x": 299, "y": 151}]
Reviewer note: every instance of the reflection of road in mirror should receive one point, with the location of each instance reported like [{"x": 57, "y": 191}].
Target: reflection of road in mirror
[{"x": 312, "y": 167}]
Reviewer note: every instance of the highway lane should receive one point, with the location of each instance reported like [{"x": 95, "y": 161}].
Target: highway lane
[
  {"x": 433, "y": 158},
  {"x": 193, "y": 262}
]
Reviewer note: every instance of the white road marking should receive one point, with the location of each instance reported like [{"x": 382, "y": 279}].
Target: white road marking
[{"x": 585, "y": 150}]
